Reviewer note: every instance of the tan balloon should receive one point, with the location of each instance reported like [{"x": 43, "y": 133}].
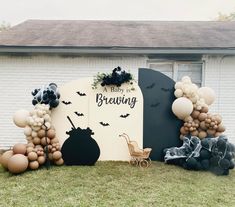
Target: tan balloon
[
  {"x": 56, "y": 155},
  {"x": 195, "y": 114},
  {"x": 202, "y": 134},
  {"x": 18, "y": 163},
  {"x": 221, "y": 128},
  {"x": 182, "y": 107},
  {"x": 41, "y": 160},
  {"x": 19, "y": 149},
  {"x": 5, "y": 158},
  {"x": 27, "y": 131},
  {"x": 59, "y": 162},
  {"x": 20, "y": 118}
]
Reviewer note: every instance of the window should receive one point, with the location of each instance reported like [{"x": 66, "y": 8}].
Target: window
[{"x": 176, "y": 70}]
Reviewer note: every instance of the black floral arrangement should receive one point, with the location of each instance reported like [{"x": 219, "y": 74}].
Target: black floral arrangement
[{"x": 117, "y": 78}]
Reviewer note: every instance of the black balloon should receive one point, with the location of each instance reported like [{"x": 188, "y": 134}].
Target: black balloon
[{"x": 46, "y": 95}]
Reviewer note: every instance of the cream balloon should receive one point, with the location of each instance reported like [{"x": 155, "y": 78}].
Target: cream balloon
[
  {"x": 208, "y": 94},
  {"x": 20, "y": 118},
  {"x": 182, "y": 107},
  {"x": 178, "y": 93}
]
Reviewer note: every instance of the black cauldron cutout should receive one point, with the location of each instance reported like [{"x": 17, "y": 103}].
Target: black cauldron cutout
[{"x": 80, "y": 148}]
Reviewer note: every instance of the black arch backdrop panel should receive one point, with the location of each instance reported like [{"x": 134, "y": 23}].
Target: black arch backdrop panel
[{"x": 161, "y": 127}]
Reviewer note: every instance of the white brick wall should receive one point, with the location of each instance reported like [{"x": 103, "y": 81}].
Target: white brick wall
[
  {"x": 20, "y": 75},
  {"x": 220, "y": 75}
]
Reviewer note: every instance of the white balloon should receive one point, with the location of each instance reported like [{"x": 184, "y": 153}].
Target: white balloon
[
  {"x": 20, "y": 118},
  {"x": 208, "y": 94},
  {"x": 182, "y": 107}
]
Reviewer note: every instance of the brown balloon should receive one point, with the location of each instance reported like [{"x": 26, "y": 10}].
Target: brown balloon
[
  {"x": 5, "y": 158},
  {"x": 34, "y": 165},
  {"x": 45, "y": 141},
  {"x": 204, "y": 109},
  {"x": 195, "y": 114},
  {"x": 32, "y": 156},
  {"x": 19, "y": 149},
  {"x": 41, "y": 133},
  {"x": 36, "y": 140},
  {"x": 51, "y": 133},
  {"x": 18, "y": 163},
  {"x": 202, "y": 116}
]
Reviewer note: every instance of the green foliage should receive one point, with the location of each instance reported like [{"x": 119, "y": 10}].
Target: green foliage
[
  {"x": 117, "y": 184},
  {"x": 225, "y": 17},
  {"x": 98, "y": 79},
  {"x": 4, "y": 26}
]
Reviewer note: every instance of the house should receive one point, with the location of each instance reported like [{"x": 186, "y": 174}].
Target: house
[{"x": 37, "y": 52}]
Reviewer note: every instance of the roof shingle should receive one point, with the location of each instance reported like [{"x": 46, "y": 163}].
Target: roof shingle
[{"x": 123, "y": 34}]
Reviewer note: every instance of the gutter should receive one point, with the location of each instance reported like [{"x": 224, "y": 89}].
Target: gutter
[{"x": 114, "y": 50}]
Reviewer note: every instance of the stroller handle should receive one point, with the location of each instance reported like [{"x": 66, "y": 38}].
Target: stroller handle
[{"x": 125, "y": 136}]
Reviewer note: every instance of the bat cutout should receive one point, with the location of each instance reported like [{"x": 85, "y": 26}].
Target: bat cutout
[
  {"x": 166, "y": 89},
  {"x": 151, "y": 86},
  {"x": 155, "y": 105},
  {"x": 66, "y": 102},
  {"x": 124, "y": 116},
  {"x": 81, "y": 94},
  {"x": 79, "y": 114},
  {"x": 104, "y": 124}
]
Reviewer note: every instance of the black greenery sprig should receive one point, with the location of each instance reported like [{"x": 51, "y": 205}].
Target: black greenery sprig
[{"x": 117, "y": 78}]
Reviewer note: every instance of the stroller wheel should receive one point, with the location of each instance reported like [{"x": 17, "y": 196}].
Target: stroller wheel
[
  {"x": 133, "y": 161},
  {"x": 144, "y": 164}
]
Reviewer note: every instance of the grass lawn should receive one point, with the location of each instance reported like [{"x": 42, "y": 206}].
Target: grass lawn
[{"x": 116, "y": 184}]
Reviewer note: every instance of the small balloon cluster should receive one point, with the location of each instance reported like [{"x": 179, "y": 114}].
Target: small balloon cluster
[
  {"x": 42, "y": 145},
  {"x": 213, "y": 154},
  {"x": 192, "y": 106},
  {"x": 48, "y": 94},
  {"x": 117, "y": 78}
]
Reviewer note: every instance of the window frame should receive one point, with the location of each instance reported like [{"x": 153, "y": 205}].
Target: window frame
[{"x": 175, "y": 67}]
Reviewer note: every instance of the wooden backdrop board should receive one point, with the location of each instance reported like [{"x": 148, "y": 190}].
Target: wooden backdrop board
[
  {"x": 161, "y": 127},
  {"x": 107, "y": 121}
]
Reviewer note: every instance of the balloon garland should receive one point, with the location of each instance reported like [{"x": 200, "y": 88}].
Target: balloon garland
[
  {"x": 204, "y": 147},
  {"x": 48, "y": 94},
  {"x": 192, "y": 106},
  {"x": 43, "y": 147},
  {"x": 213, "y": 154}
]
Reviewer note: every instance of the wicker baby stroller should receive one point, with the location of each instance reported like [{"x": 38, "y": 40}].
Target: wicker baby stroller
[{"x": 139, "y": 157}]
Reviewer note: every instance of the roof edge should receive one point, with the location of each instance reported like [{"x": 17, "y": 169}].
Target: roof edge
[{"x": 114, "y": 50}]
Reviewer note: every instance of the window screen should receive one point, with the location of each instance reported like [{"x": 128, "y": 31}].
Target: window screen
[
  {"x": 165, "y": 68},
  {"x": 176, "y": 70}
]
